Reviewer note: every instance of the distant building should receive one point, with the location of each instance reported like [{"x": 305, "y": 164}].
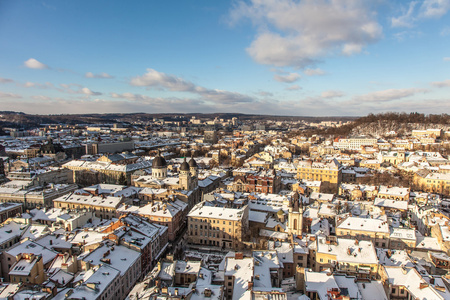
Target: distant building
[
  {"x": 210, "y": 136},
  {"x": 354, "y": 143}
]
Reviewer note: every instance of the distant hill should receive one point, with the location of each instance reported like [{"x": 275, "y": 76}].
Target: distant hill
[
  {"x": 28, "y": 121},
  {"x": 380, "y": 124}
]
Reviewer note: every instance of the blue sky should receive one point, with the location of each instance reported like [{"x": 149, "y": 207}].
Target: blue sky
[{"x": 283, "y": 57}]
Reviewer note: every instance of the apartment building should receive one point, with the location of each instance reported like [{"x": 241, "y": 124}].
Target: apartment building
[
  {"x": 350, "y": 256},
  {"x": 326, "y": 172},
  {"x": 354, "y": 143},
  {"x": 433, "y": 182},
  {"x": 218, "y": 226},
  {"x": 374, "y": 230},
  {"x": 104, "y": 207}
]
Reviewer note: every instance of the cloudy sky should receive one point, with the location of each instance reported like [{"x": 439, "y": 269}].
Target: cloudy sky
[{"x": 284, "y": 57}]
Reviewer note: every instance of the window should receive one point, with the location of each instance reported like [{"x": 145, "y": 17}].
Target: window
[{"x": 321, "y": 260}]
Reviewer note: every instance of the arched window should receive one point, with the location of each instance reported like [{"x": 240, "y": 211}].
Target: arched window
[{"x": 295, "y": 224}]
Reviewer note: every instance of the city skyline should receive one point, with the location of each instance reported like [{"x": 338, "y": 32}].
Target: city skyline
[{"x": 309, "y": 58}]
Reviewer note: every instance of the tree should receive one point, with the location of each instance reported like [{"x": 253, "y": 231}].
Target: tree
[{"x": 122, "y": 179}]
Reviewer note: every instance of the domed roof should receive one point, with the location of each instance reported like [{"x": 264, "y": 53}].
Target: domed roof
[
  {"x": 159, "y": 162},
  {"x": 184, "y": 166},
  {"x": 192, "y": 163}
]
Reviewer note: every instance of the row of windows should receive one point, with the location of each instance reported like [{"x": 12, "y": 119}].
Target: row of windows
[
  {"x": 216, "y": 243},
  {"x": 209, "y": 221},
  {"x": 206, "y": 234},
  {"x": 209, "y": 227}
]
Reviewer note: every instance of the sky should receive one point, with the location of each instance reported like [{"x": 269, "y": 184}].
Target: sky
[{"x": 272, "y": 57}]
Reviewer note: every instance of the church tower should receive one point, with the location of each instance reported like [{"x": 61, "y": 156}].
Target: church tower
[
  {"x": 194, "y": 172},
  {"x": 185, "y": 176},
  {"x": 295, "y": 218},
  {"x": 159, "y": 167}
]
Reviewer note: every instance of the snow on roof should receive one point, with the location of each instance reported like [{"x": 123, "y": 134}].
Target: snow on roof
[
  {"x": 320, "y": 283},
  {"x": 121, "y": 258},
  {"x": 158, "y": 209},
  {"x": 389, "y": 203},
  {"x": 327, "y": 209},
  {"x": 348, "y": 251},
  {"x": 411, "y": 279},
  {"x": 273, "y": 234},
  {"x": 35, "y": 231},
  {"x": 372, "y": 290},
  {"x": 187, "y": 267},
  {"x": 257, "y": 216},
  {"x": 264, "y": 262},
  {"x": 102, "y": 278},
  {"x": 320, "y": 226},
  {"x": 363, "y": 224},
  {"x": 428, "y": 242},
  {"x": 46, "y": 214},
  {"x": 23, "y": 267},
  {"x": 445, "y": 233},
  {"x": 61, "y": 276},
  {"x": 167, "y": 271},
  {"x": 109, "y": 201},
  {"x": 284, "y": 250},
  {"x": 347, "y": 286},
  {"x": 394, "y": 258},
  {"x": 11, "y": 230},
  {"x": 204, "y": 211},
  {"x": 321, "y": 196},
  {"x": 241, "y": 269},
  {"x": 34, "y": 248},
  {"x": 88, "y": 237},
  {"x": 393, "y": 191},
  {"x": 403, "y": 233},
  {"x": 8, "y": 289}
]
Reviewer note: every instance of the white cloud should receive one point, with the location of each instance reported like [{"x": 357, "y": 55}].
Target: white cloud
[
  {"x": 332, "y": 94},
  {"x": 169, "y": 82},
  {"x": 294, "y": 87},
  {"x": 41, "y": 98},
  {"x": 101, "y": 75},
  {"x": 46, "y": 85},
  {"x": 6, "y": 80},
  {"x": 154, "y": 78},
  {"x": 9, "y": 95},
  {"x": 407, "y": 19},
  {"x": 265, "y": 94},
  {"x": 304, "y": 31},
  {"x": 445, "y": 31},
  {"x": 314, "y": 72},
  {"x": 88, "y": 92},
  {"x": 434, "y": 8},
  {"x": 289, "y": 78},
  {"x": 34, "y": 64},
  {"x": 440, "y": 84},
  {"x": 388, "y": 95},
  {"x": 446, "y": 58}
]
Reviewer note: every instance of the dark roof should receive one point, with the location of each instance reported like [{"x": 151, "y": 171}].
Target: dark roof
[
  {"x": 159, "y": 162},
  {"x": 116, "y": 157},
  {"x": 184, "y": 166},
  {"x": 192, "y": 163}
]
